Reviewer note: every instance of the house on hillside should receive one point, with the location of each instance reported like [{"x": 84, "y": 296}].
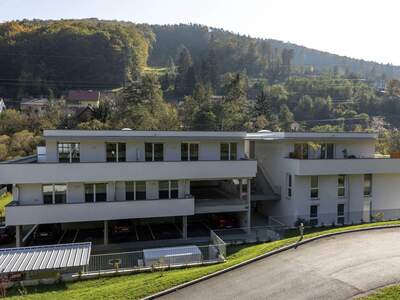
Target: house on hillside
[
  {"x": 83, "y": 98},
  {"x": 34, "y": 107}
]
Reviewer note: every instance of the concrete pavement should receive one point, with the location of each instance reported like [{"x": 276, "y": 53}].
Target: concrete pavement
[{"x": 338, "y": 267}]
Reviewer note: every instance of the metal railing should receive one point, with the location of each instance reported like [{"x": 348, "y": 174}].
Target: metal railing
[
  {"x": 138, "y": 260},
  {"x": 247, "y": 235}
]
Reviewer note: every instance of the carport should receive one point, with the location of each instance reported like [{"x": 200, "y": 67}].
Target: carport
[{"x": 64, "y": 257}]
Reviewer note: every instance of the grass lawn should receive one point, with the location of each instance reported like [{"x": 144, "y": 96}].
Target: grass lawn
[
  {"x": 4, "y": 200},
  {"x": 144, "y": 284},
  {"x": 390, "y": 292}
]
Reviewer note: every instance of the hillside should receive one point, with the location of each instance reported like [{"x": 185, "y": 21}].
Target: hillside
[{"x": 200, "y": 39}]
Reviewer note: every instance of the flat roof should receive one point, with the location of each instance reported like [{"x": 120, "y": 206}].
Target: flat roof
[
  {"x": 38, "y": 258},
  {"x": 134, "y": 134},
  {"x": 271, "y": 136}
]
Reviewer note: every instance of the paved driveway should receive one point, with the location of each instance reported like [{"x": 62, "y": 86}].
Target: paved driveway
[{"x": 333, "y": 268}]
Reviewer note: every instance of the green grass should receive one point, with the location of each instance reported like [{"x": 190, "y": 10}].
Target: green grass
[
  {"x": 144, "y": 284},
  {"x": 4, "y": 200},
  {"x": 387, "y": 293}
]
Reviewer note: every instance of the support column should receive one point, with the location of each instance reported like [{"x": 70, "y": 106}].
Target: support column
[
  {"x": 249, "y": 202},
  {"x": 105, "y": 232},
  {"x": 18, "y": 236},
  {"x": 184, "y": 227},
  {"x": 241, "y": 189}
]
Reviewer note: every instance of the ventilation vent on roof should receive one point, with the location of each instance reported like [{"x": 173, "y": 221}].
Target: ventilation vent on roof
[{"x": 126, "y": 129}]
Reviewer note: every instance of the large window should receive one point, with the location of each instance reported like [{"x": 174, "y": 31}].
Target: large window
[
  {"x": 95, "y": 192},
  {"x": 341, "y": 192},
  {"x": 228, "y": 151},
  {"x": 116, "y": 152},
  {"x": 327, "y": 151},
  {"x": 68, "y": 152},
  {"x": 314, "y": 215},
  {"x": 314, "y": 187},
  {"x": 289, "y": 185},
  {"x": 189, "y": 151},
  {"x": 135, "y": 190},
  {"x": 367, "y": 185},
  {"x": 340, "y": 213},
  {"x": 54, "y": 193},
  {"x": 154, "y": 151},
  {"x": 301, "y": 151},
  {"x": 168, "y": 189}
]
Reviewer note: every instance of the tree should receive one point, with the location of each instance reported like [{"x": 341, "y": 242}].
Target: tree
[
  {"x": 286, "y": 117},
  {"x": 12, "y": 121}
]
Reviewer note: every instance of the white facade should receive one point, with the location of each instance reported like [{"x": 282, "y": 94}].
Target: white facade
[
  {"x": 325, "y": 189},
  {"x": 87, "y": 176},
  {"x": 321, "y": 178}
]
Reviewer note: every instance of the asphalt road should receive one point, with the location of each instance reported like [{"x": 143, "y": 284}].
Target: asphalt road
[{"x": 338, "y": 267}]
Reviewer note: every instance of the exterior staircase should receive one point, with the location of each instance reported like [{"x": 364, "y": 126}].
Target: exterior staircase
[{"x": 261, "y": 188}]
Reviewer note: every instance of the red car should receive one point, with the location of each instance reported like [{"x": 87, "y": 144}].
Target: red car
[{"x": 223, "y": 222}]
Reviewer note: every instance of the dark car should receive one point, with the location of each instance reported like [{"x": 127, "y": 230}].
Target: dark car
[
  {"x": 223, "y": 222},
  {"x": 123, "y": 227},
  {"x": 47, "y": 233},
  {"x": 6, "y": 235}
]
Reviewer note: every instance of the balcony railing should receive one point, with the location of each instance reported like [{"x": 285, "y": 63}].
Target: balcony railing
[
  {"x": 17, "y": 214},
  {"x": 124, "y": 171},
  {"x": 365, "y": 165}
]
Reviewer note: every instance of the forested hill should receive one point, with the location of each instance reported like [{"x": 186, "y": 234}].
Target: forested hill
[
  {"x": 200, "y": 39},
  {"x": 48, "y": 57}
]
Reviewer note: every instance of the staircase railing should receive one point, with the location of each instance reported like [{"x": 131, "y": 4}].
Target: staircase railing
[{"x": 275, "y": 188}]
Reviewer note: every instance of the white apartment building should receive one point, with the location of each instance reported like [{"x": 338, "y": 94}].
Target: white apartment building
[
  {"x": 101, "y": 176},
  {"x": 95, "y": 177},
  {"x": 326, "y": 178}
]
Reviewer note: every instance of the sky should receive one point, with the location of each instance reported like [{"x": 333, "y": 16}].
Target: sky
[{"x": 364, "y": 29}]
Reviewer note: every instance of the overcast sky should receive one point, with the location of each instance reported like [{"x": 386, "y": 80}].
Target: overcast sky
[{"x": 363, "y": 29}]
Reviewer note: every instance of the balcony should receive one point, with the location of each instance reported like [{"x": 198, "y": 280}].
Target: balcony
[
  {"x": 307, "y": 167},
  {"x": 20, "y": 173},
  {"x": 100, "y": 211}
]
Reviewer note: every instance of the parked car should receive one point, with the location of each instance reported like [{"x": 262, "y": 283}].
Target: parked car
[
  {"x": 223, "y": 221},
  {"x": 47, "y": 233},
  {"x": 6, "y": 235},
  {"x": 122, "y": 227}
]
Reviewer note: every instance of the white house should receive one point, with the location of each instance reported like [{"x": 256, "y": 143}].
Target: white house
[
  {"x": 326, "y": 178},
  {"x": 101, "y": 176},
  {"x": 96, "y": 177}
]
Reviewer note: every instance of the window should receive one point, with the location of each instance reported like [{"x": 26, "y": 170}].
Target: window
[
  {"x": 341, "y": 192},
  {"x": 116, "y": 152},
  {"x": 367, "y": 185},
  {"x": 314, "y": 215},
  {"x": 228, "y": 151},
  {"x": 340, "y": 214},
  {"x": 301, "y": 151},
  {"x": 327, "y": 151},
  {"x": 314, "y": 188},
  {"x": 189, "y": 151},
  {"x": 54, "y": 193},
  {"x": 96, "y": 192},
  {"x": 289, "y": 185},
  {"x": 47, "y": 194},
  {"x": 135, "y": 190},
  {"x": 154, "y": 151},
  {"x": 168, "y": 189},
  {"x": 68, "y": 152},
  {"x": 252, "y": 151}
]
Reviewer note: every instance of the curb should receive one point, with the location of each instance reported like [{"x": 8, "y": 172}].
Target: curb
[{"x": 251, "y": 260}]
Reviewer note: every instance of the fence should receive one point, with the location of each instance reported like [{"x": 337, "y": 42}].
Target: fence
[
  {"x": 167, "y": 257},
  {"x": 340, "y": 218},
  {"x": 251, "y": 235}
]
